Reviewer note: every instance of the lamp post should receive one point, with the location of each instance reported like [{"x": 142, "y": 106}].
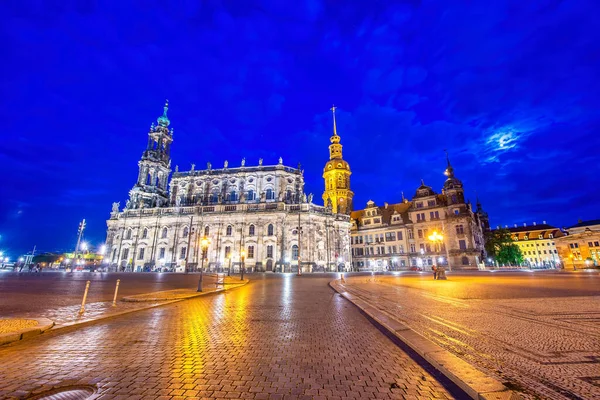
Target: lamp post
[
  {"x": 438, "y": 238},
  {"x": 573, "y": 261},
  {"x": 204, "y": 243},
  {"x": 228, "y": 257},
  {"x": 243, "y": 266}
]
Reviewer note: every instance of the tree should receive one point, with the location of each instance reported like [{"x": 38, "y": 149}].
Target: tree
[{"x": 500, "y": 245}]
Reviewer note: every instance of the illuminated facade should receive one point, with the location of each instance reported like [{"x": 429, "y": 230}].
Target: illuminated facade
[
  {"x": 537, "y": 244},
  {"x": 401, "y": 236},
  {"x": 336, "y": 175},
  {"x": 216, "y": 216},
  {"x": 580, "y": 248}
]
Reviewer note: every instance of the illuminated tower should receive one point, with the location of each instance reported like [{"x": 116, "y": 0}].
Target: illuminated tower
[
  {"x": 336, "y": 174},
  {"x": 154, "y": 167}
]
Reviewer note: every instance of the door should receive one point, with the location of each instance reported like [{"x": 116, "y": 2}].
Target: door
[{"x": 269, "y": 265}]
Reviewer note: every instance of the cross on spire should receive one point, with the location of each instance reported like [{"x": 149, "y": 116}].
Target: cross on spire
[{"x": 333, "y": 108}]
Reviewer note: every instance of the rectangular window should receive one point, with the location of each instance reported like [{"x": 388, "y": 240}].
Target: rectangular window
[
  {"x": 161, "y": 253},
  {"x": 590, "y": 244},
  {"x": 360, "y": 239},
  {"x": 431, "y": 215},
  {"x": 377, "y": 220},
  {"x": 269, "y": 251},
  {"x": 596, "y": 244},
  {"x": 182, "y": 253},
  {"x": 125, "y": 254},
  {"x": 227, "y": 251},
  {"x": 401, "y": 249},
  {"x": 437, "y": 215},
  {"x": 420, "y": 234},
  {"x": 393, "y": 249},
  {"x": 422, "y": 247},
  {"x": 367, "y": 222},
  {"x": 411, "y": 234},
  {"x": 431, "y": 203},
  {"x": 419, "y": 205},
  {"x": 412, "y": 248},
  {"x": 399, "y": 235},
  {"x": 141, "y": 254},
  {"x": 250, "y": 251},
  {"x": 462, "y": 244},
  {"x": 390, "y": 236},
  {"x": 459, "y": 229}
]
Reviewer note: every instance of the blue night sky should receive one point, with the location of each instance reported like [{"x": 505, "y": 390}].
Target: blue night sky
[{"x": 510, "y": 88}]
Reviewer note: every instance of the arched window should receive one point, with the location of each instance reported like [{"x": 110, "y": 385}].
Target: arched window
[
  {"x": 270, "y": 194},
  {"x": 165, "y": 232},
  {"x": 186, "y": 232},
  {"x": 251, "y": 195},
  {"x": 465, "y": 260},
  {"x": 145, "y": 233},
  {"x": 340, "y": 181},
  {"x": 251, "y": 230},
  {"x": 295, "y": 252},
  {"x": 288, "y": 195},
  {"x": 214, "y": 198},
  {"x": 128, "y": 234},
  {"x": 206, "y": 230},
  {"x": 454, "y": 199},
  {"x": 148, "y": 179},
  {"x": 270, "y": 230},
  {"x": 233, "y": 196},
  {"x": 229, "y": 230}
]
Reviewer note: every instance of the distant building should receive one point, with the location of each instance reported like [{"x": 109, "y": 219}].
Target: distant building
[
  {"x": 581, "y": 246},
  {"x": 217, "y": 217},
  {"x": 399, "y": 236},
  {"x": 538, "y": 244}
]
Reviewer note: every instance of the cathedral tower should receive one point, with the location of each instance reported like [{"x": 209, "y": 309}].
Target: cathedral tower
[
  {"x": 154, "y": 167},
  {"x": 336, "y": 174}
]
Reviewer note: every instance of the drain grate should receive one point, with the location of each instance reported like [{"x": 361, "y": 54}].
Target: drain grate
[{"x": 67, "y": 393}]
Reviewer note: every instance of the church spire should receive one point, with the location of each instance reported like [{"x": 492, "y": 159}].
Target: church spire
[
  {"x": 336, "y": 175},
  {"x": 163, "y": 120},
  {"x": 334, "y": 125}
]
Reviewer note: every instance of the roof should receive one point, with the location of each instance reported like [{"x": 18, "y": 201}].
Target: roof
[
  {"x": 531, "y": 228},
  {"x": 386, "y": 213},
  {"x": 582, "y": 224}
]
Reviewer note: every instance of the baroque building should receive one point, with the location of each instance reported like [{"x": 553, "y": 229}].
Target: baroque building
[
  {"x": 580, "y": 247},
  {"x": 537, "y": 243},
  {"x": 217, "y": 218},
  {"x": 401, "y": 236}
]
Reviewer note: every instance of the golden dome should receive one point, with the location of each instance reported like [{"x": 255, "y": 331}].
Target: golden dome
[{"x": 336, "y": 164}]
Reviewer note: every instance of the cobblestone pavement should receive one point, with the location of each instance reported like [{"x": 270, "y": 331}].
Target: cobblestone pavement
[
  {"x": 277, "y": 337},
  {"x": 547, "y": 346},
  {"x": 35, "y": 294}
]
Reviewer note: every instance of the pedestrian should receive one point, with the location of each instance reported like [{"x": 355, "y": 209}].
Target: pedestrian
[{"x": 434, "y": 268}]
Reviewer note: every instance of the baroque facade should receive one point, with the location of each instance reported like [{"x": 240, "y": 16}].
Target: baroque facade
[
  {"x": 580, "y": 247},
  {"x": 401, "y": 236},
  {"x": 537, "y": 243},
  {"x": 256, "y": 216}
]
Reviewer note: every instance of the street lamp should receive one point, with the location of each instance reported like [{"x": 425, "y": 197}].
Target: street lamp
[
  {"x": 573, "y": 261},
  {"x": 204, "y": 243},
  {"x": 243, "y": 266},
  {"x": 438, "y": 238}
]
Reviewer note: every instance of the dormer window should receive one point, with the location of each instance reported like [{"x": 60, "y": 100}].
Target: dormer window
[
  {"x": 526, "y": 237},
  {"x": 551, "y": 236},
  {"x": 377, "y": 220},
  {"x": 419, "y": 205},
  {"x": 541, "y": 236}
]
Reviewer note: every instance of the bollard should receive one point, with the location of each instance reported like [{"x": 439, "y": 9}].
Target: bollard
[
  {"x": 87, "y": 287},
  {"x": 200, "y": 282},
  {"x": 116, "y": 291}
]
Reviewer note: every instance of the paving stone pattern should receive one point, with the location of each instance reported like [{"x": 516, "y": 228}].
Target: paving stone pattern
[
  {"x": 550, "y": 347},
  {"x": 275, "y": 338}
]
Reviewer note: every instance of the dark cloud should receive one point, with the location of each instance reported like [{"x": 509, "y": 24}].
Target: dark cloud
[{"x": 508, "y": 87}]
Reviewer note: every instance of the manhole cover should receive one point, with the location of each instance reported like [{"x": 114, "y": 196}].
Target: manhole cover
[{"x": 67, "y": 393}]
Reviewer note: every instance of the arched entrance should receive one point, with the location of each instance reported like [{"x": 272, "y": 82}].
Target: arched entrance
[{"x": 269, "y": 265}]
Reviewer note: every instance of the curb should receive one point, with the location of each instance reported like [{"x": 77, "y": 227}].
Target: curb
[
  {"x": 472, "y": 381},
  {"x": 133, "y": 299},
  {"x": 43, "y": 325},
  {"x": 75, "y": 325}
]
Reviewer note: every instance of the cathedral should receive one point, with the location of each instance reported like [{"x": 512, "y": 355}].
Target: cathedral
[{"x": 255, "y": 216}]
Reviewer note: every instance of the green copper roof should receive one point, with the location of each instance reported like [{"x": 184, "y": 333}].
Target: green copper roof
[{"x": 163, "y": 120}]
